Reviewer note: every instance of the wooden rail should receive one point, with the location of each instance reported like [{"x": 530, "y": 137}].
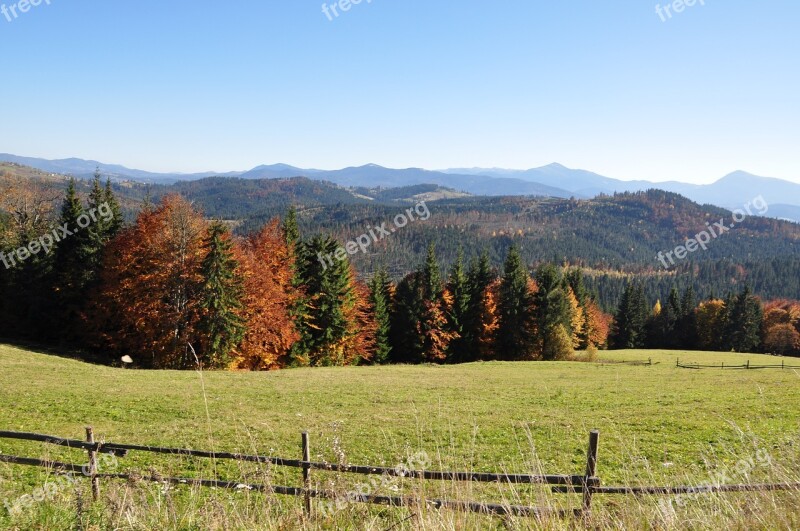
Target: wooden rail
[
  {"x": 571, "y": 483},
  {"x": 588, "y": 484},
  {"x": 745, "y": 366}
]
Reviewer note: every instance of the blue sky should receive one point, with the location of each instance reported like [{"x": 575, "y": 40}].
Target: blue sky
[{"x": 196, "y": 85}]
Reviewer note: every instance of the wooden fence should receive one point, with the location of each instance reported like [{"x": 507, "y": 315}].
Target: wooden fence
[
  {"x": 571, "y": 483},
  {"x": 731, "y": 366},
  {"x": 588, "y": 484}
]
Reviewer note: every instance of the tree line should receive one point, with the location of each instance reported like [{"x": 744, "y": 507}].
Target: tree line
[{"x": 174, "y": 289}]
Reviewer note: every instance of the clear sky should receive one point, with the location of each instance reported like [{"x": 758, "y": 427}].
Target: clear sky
[{"x": 194, "y": 85}]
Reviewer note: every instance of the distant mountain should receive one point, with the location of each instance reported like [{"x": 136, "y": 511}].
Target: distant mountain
[
  {"x": 732, "y": 191},
  {"x": 83, "y": 169}
]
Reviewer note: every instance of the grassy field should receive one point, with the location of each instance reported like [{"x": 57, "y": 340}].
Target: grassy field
[{"x": 659, "y": 425}]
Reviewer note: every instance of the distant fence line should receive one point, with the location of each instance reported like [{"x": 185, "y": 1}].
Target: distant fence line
[
  {"x": 722, "y": 365},
  {"x": 588, "y": 484}
]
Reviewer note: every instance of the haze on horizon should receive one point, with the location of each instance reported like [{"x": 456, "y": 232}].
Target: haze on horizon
[{"x": 607, "y": 88}]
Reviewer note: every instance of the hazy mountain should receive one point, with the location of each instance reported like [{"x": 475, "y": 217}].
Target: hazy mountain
[
  {"x": 82, "y": 168},
  {"x": 732, "y": 191}
]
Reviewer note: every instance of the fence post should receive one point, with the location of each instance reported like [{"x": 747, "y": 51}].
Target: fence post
[
  {"x": 591, "y": 470},
  {"x": 93, "y": 465},
  {"x": 306, "y": 475},
  {"x": 748, "y": 364}
]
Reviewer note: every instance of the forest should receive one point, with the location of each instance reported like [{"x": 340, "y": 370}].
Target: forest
[{"x": 172, "y": 289}]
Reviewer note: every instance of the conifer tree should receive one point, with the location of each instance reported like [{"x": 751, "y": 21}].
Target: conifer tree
[
  {"x": 744, "y": 322},
  {"x": 220, "y": 294},
  {"x": 458, "y": 288},
  {"x": 631, "y": 318},
  {"x": 380, "y": 301},
  {"x": 514, "y": 334},
  {"x": 73, "y": 264},
  {"x": 551, "y": 303},
  {"x": 478, "y": 331}
]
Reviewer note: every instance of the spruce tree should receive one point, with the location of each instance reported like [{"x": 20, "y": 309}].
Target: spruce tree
[
  {"x": 479, "y": 277},
  {"x": 458, "y": 287},
  {"x": 431, "y": 276},
  {"x": 380, "y": 300},
  {"x": 73, "y": 263},
  {"x": 514, "y": 335},
  {"x": 115, "y": 225},
  {"x": 221, "y": 326},
  {"x": 551, "y": 308},
  {"x": 631, "y": 318},
  {"x": 744, "y": 319},
  {"x": 324, "y": 325}
]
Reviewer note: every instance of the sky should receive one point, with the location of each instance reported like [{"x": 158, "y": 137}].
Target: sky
[{"x": 608, "y": 86}]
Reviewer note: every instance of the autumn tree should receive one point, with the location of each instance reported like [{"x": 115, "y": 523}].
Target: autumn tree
[
  {"x": 710, "y": 319},
  {"x": 148, "y": 304},
  {"x": 267, "y": 265}
]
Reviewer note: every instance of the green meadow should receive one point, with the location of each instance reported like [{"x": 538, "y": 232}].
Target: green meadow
[{"x": 659, "y": 425}]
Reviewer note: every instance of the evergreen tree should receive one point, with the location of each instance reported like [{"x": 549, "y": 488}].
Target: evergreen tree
[
  {"x": 630, "y": 323},
  {"x": 221, "y": 326},
  {"x": 458, "y": 287},
  {"x": 291, "y": 231},
  {"x": 432, "y": 277},
  {"x": 514, "y": 335},
  {"x": 324, "y": 325},
  {"x": 380, "y": 301},
  {"x": 479, "y": 278},
  {"x": 662, "y": 326},
  {"x": 74, "y": 263},
  {"x": 117, "y": 221},
  {"x": 686, "y": 328},
  {"x": 407, "y": 346},
  {"x": 744, "y": 320},
  {"x": 551, "y": 308}
]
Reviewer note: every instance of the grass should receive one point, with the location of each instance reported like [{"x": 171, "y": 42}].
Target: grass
[{"x": 659, "y": 425}]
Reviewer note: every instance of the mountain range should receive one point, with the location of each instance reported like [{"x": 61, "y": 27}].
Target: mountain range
[{"x": 732, "y": 191}]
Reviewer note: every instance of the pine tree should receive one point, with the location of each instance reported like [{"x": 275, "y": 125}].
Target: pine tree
[
  {"x": 73, "y": 264},
  {"x": 514, "y": 338},
  {"x": 327, "y": 325},
  {"x": 478, "y": 334},
  {"x": 221, "y": 327},
  {"x": 686, "y": 328},
  {"x": 115, "y": 225},
  {"x": 744, "y": 322},
  {"x": 432, "y": 277},
  {"x": 630, "y": 322},
  {"x": 380, "y": 301},
  {"x": 458, "y": 288},
  {"x": 551, "y": 307}
]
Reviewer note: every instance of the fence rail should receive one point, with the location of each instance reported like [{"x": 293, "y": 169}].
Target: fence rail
[
  {"x": 588, "y": 484},
  {"x": 572, "y": 483},
  {"x": 746, "y": 366}
]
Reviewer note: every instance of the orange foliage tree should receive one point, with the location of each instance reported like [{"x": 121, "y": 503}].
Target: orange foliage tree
[
  {"x": 146, "y": 306},
  {"x": 267, "y": 265}
]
